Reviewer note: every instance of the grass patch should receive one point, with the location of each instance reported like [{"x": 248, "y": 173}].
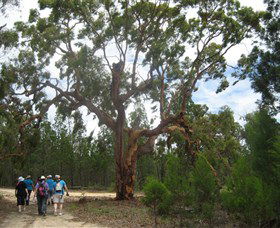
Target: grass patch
[
  {"x": 108, "y": 212},
  {"x": 6, "y": 207}
]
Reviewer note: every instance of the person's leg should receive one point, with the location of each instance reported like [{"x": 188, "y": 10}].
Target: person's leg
[
  {"x": 55, "y": 208},
  {"x": 39, "y": 203},
  {"x": 55, "y": 201},
  {"x": 61, "y": 200},
  {"x": 49, "y": 198},
  {"x": 44, "y": 205},
  {"x": 23, "y": 203},
  {"x": 60, "y": 208},
  {"x": 19, "y": 202},
  {"x": 28, "y": 197}
]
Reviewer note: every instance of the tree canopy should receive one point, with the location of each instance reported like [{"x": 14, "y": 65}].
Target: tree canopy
[
  {"x": 262, "y": 65},
  {"x": 107, "y": 55}
]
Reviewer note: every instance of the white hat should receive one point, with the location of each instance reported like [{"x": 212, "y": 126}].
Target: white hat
[
  {"x": 20, "y": 178},
  {"x": 49, "y": 176},
  {"x": 42, "y": 177},
  {"x": 57, "y": 176}
]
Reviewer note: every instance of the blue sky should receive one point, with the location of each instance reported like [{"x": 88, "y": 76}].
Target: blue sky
[{"x": 240, "y": 98}]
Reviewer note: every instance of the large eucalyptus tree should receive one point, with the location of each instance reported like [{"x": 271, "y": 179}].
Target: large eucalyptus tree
[{"x": 110, "y": 54}]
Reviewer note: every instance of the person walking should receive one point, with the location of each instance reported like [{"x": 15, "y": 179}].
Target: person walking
[
  {"x": 51, "y": 184},
  {"x": 30, "y": 188},
  {"x": 21, "y": 193},
  {"x": 58, "y": 199},
  {"x": 41, "y": 192}
]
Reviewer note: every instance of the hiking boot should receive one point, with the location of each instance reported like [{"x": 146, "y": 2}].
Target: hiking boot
[
  {"x": 55, "y": 213},
  {"x": 60, "y": 213}
]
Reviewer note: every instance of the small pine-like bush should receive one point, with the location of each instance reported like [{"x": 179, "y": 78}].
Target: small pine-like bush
[
  {"x": 203, "y": 188},
  {"x": 156, "y": 197},
  {"x": 177, "y": 182},
  {"x": 245, "y": 195}
]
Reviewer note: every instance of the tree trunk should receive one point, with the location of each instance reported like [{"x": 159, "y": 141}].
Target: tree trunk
[
  {"x": 125, "y": 182},
  {"x": 126, "y": 168}
]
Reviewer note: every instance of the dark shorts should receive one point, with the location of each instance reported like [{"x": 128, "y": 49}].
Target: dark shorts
[
  {"x": 21, "y": 200},
  {"x": 50, "y": 193}
]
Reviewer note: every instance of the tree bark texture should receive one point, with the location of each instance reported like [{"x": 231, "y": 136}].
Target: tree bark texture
[{"x": 126, "y": 167}]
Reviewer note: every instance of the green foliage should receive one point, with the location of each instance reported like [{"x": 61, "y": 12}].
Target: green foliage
[
  {"x": 220, "y": 137},
  {"x": 8, "y": 38},
  {"x": 176, "y": 177},
  {"x": 262, "y": 65},
  {"x": 261, "y": 131},
  {"x": 177, "y": 182},
  {"x": 246, "y": 195},
  {"x": 157, "y": 196},
  {"x": 146, "y": 166},
  {"x": 203, "y": 187},
  {"x": 252, "y": 191},
  {"x": 262, "y": 136},
  {"x": 59, "y": 149}
]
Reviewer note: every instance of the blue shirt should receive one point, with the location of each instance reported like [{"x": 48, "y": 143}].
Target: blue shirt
[
  {"x": 51, "y": 184},
  {"x": 63, "y": 185},
  {"x": 28, "y": 183}
]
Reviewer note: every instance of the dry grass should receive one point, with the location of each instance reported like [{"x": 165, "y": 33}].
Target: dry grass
[
  {"x": 5, "y": 207},
  {"x": 111, "y": 213}
]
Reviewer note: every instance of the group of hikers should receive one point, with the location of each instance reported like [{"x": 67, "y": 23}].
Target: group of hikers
[{"x": 46, "y": 190}]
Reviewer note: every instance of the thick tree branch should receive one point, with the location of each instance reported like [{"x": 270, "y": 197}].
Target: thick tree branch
[{"x": 102, "y": 116}]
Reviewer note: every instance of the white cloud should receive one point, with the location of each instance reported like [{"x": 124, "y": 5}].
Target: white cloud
[
  {"x": 240, "y": 98},
  {"x": 255, "y": 4}
]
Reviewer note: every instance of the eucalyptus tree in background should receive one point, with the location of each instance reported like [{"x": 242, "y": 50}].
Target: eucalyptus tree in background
[
  {"x": 262, "y": 66},
  {"x": 11, "y": 108},
  {"x": 110, "y": 54}
]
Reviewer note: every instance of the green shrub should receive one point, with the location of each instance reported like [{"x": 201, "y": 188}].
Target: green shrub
[
  {"x": 245, "y": 195},
  {"x": 204, "y": 189},
  {"x": 157, "y": 197},
  {"x": 177, "y": 182}
]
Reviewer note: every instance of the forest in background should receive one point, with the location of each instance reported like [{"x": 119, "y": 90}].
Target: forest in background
[{"x": 194, "y": 163}]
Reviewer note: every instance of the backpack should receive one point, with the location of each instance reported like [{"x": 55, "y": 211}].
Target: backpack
[
  {"x": 42, "y": 191},
  {"x": 58, "y": 187}
]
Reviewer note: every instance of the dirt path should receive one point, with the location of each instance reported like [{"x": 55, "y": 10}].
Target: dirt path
[{"x": 30, "y": 217}]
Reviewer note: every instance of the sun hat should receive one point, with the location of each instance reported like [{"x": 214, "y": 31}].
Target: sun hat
[
  {"x": 28, "y": 176},
  {"x": 57, "y": 176},
  {"x": 49, "y": 176},
  {"x": 42, "y": 178},
  {"x": 20, "y": 178}
]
